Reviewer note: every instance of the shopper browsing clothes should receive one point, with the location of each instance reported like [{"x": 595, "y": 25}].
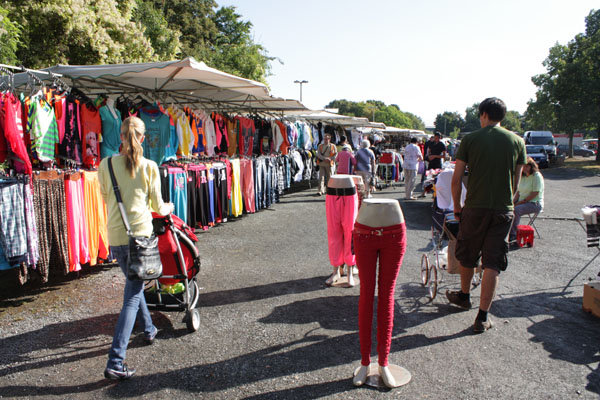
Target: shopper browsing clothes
[
  {"x": 326, "y": 153},
  {"x": 436, "y": 152},
  {"x": 365, "y": 166},
  {"x": 139, "y": 184},
  {"x": 487, "y": 215},
  {"x": 345, "y": 160},
  {"x": 530, "y": 196},
  {"x": 412, "y": 156}
]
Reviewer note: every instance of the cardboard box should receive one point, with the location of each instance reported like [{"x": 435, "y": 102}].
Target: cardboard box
[{"x": 591, "y": 298}]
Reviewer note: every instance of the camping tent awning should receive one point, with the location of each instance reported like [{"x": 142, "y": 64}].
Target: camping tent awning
[{"x": 186, "y": 81}]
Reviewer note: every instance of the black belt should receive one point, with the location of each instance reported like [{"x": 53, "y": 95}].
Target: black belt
[{"x": 341, "y": 191}]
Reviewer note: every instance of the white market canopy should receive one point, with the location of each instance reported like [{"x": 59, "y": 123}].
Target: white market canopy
[
  {"x": 185, "y": 81},
  {"x": 333, "y": 118},
  {"x": 390, "y": 130}
]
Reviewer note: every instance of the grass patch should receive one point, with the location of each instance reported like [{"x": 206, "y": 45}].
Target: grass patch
[{"x": 586, "y": 164}]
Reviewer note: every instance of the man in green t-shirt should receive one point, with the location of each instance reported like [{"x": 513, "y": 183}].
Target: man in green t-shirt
[{"x": 495, "y": 157}]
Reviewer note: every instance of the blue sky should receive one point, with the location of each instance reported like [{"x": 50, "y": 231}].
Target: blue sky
[{"x": 425, "y": 56}]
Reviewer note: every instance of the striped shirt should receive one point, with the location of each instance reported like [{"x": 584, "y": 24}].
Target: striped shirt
[{"x": 43, "y": 129}]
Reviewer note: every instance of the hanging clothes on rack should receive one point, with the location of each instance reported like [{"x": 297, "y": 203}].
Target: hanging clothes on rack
[
  {"x": 96, "y": 217},
  {"x": 91, "y": 128},
  {"x": 111, "y": 130},
  {"x": 51, "y": 220},
  {"x": 79, "y": 252}
]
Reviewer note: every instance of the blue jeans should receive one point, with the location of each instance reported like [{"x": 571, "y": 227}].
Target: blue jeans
[{"x": 134, "y": 304}]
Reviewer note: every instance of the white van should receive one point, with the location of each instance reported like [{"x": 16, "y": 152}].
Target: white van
[{"x": 542, "y": 138}]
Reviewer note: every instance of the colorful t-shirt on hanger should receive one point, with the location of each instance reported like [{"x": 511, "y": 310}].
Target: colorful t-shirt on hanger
[
  {"x": 91, "y": 128},
  {"x": 158, "y": 130},
  {"x": 111, "y": 131}
]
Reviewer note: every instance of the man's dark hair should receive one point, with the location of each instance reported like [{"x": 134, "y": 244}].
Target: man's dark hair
[
  {"x": 494, "y": 107},
  {"x": 342, "y": 139},
  {"x": 413, "y": 140},
  {"x": 437, "y": 134}
]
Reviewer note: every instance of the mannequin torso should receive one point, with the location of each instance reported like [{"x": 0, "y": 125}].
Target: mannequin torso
[
  {"x": 341, "y": 181},
  {"x": 380, "y": 212}
]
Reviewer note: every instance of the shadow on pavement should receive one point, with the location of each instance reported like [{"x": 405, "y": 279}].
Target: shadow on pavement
[
  {"x": 332, "y": 312},
  {"x": 71, "y": 341},
  {"x": 242, "y": 295},
  {"x": 569, "y": 334},
  {"x": 566, "y": 173}
]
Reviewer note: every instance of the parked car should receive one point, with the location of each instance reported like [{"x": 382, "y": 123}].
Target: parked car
[
  {"x": 577, "y": 150},
  {"x": 538, "y": 154},
  {"x": 543, "y": 138}
]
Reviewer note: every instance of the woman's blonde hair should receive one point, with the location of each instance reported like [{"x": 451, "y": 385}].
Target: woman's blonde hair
[{"x": 132, "y": 131}]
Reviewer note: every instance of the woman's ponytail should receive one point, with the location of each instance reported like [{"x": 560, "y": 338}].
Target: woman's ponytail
[{"x": 132, "y": 131}]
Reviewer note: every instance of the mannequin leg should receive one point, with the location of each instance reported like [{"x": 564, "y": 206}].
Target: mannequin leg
[
  {"x": 335, "y": 235},
  {"x": 366, "y": 257},
  {"x": 349, "y": 214},
  {"x": 390, "y": 260}
]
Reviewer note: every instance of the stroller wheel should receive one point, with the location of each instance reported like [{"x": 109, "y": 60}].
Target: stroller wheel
[{"x": 192, "y": 320}]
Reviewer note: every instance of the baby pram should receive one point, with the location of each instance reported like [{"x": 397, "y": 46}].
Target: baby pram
[
  {"x": 443, "y": 228},
  {"x": 176, "y": 289}
]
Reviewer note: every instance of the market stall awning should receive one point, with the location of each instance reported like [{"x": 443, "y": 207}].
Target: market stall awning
[
  {"x": 391, "y": 130},
  {"x": 186, "y": 81},
  {"x": 333, "y": 118}
]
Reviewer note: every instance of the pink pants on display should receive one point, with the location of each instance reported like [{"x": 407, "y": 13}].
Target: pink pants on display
[
  {"x": 79, "y": 252},
  {"x": 247, "y": 182},
  {"x": 341, "y": 215},
  {"x": 388, "y": 243}
]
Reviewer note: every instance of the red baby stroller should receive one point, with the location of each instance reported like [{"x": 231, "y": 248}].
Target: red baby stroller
[{"x": 176, "y": 289}]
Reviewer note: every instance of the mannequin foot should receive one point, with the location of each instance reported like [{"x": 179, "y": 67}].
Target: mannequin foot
[
  {"x": 351, "y": 282},
  {"x": 334, "y": 277},
  {"x": 361, "y": 376},
  {"x": 387, "y": 377}
]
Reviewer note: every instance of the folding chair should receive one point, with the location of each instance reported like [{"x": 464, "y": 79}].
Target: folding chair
[{"x": 532, "y": 218}]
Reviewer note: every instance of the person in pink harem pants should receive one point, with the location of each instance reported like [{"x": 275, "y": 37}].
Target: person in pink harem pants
[
  {"x": 341, "y": 214},
  {"x": 389, "y": 244}
]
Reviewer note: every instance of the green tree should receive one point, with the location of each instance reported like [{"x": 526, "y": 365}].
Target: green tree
[
  {"x": 472, "y": 118},
  {"x": 165, "y": 41},
  {"x": 376, "y": 110},
  {"x": 78, "y": 32},
  {"x": 448, "y": 121},
  {"x": 512, "y": 121},
  {"x": 234, "y": 50},
  {"x": 9, "y": 38},
  {"x": 569, "y": 92},
  {"x": 195, "y": 21}
]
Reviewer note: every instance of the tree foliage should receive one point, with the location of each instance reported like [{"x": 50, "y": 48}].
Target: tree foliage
[
  {"x": 165, "y": 41},
  {"x": 78, "y": 32},
  {"x": 9, "y": 38},
  {"x": 568, "y": 94},
  {"x": 449, "y": 122},
  {"x": 40, "y": 33},
  {"x": 234, "y": 50},
  {"x": 378, "y": 111}
]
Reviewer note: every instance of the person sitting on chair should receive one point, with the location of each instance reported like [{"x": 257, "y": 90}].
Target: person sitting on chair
[{"x": 529, "y": 198}]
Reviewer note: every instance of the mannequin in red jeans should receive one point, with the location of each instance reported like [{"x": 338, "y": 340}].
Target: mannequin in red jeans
[{"x": 379, "y": 233}]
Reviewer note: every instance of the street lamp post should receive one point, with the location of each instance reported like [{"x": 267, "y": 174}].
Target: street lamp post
[{"x": 301, "y": 83}]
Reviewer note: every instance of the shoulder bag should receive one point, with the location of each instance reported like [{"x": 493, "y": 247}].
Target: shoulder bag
[{"x": 144, "y": 259}]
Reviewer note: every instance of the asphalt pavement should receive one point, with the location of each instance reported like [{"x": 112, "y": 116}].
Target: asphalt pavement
[{"x": 271, "y": 329}]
